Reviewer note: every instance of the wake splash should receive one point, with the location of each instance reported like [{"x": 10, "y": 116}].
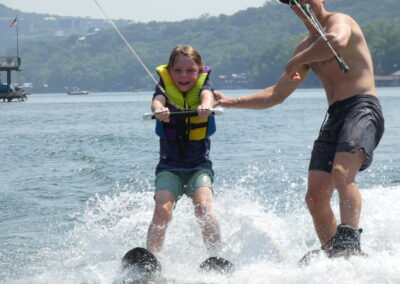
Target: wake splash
[{"x": 264, "y": 242}]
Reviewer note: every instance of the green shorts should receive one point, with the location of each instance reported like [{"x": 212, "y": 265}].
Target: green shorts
[{"x": 187, "y": 182}]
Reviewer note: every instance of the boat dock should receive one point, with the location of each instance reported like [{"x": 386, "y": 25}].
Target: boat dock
[{"x": 7, "y": 91}]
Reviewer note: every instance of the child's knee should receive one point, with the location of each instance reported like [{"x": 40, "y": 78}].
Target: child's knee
[{"x": 163, "y": 212}]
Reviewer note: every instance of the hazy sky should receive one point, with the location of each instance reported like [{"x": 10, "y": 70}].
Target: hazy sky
[{"x": 138, "y": 10}]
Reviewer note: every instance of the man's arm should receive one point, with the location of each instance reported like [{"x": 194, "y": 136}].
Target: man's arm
[
  {"x": 267, "y": 97},
  {"x": 338, "y": 33}
]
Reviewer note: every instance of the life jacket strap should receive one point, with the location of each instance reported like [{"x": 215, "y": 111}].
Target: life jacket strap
[{"x": 197, "y": 125}]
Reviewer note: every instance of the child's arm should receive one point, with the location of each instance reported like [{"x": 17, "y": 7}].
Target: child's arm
[
  {"x": 206, "y": 102},
  {"x": 158, "y": 108}
]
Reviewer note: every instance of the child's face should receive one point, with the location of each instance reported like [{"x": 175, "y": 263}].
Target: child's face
[{"x": 185, "y": 73}]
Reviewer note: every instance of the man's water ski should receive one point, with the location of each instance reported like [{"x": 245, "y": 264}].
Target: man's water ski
[{"x": 330, "y": 253}]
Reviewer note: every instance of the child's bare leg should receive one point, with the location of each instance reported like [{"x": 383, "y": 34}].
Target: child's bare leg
[
  {"x": 203, "y": 201},
  {"x": 165, "y": 201}
]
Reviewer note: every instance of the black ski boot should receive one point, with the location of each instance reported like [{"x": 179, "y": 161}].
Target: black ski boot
[
  {"x": 346, "y": 238},
  {"x": 345, "y": 242}
]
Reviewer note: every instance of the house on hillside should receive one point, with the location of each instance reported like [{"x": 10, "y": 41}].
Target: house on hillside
[{"x": 392, "y": 80}]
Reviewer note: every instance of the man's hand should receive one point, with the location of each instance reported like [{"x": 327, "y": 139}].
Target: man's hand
[
  {"x": 291, "y": 69},
  {"x": 222, "y": 100}
]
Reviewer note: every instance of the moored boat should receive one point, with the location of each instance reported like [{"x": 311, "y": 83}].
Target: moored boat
[{"x": 77, "y": 91}]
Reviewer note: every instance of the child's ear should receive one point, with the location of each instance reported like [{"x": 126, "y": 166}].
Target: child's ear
[{"x": 201, "y": 69}]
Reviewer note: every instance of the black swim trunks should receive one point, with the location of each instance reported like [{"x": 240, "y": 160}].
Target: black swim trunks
[{"x": 355, "y": 123}]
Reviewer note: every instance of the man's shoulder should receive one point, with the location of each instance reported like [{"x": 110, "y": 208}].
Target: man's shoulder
[
  {"x": 339, "y": 21},
  {"x": 336, "y": 17}
]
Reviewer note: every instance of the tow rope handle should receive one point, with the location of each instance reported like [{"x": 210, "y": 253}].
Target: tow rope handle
[{"x": 190, "y": 113}]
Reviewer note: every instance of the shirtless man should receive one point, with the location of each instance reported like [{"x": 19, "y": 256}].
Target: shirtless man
[{"x": 352, "y": 131}]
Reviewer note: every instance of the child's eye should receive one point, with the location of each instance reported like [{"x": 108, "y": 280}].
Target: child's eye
[{"x": 191, "y": 71}]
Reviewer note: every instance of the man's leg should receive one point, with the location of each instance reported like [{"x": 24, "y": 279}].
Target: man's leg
[
  {"x": 203, "y": 205},
  {"x": 164, "y": 206},
  {"x": 344, "y": 171},
  {"x": 318, "y": 197}
]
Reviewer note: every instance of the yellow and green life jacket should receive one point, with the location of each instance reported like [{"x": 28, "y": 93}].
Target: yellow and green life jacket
[{"x": 189, "y": 128}]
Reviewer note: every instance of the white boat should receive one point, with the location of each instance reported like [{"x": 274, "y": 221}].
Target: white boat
[{"x": 77, "y": 91}]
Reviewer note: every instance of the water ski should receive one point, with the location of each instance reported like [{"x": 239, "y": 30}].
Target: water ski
[
  {"x": 330, "y": 253},
  {"x": 142, "y": 261},
  {"x": 217, "y": 264}
]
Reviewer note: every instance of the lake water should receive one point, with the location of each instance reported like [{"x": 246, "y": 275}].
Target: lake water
[{"x": 77, "y": 176}]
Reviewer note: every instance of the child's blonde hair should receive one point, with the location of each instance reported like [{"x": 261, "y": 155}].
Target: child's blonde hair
[{"x": 185, "y": 50}]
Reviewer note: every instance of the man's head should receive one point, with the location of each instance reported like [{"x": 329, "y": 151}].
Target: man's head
[
  {"x": 291, "y": 2},
  {"x": 317, "y": 6}
]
